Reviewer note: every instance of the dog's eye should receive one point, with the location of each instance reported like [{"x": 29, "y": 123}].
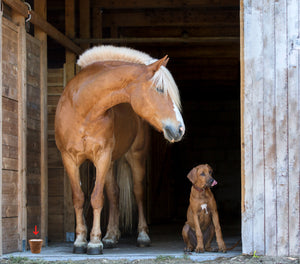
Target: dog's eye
[{"x": 202, "y": 174}]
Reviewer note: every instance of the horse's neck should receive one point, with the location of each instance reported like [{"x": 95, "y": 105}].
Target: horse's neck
[{"x": 96, "y": 95}]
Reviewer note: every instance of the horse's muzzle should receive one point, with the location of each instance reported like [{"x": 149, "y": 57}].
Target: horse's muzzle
[{"x": 173, "y": 134}]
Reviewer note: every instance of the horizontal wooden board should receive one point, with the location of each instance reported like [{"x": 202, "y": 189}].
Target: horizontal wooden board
[
  {"x": 9, "y": 61},
  {"x": 176, "y": 17},
  {"x": 55, "y": 182},
  {"x": 9, "y": 164},
  {"x": 9, "y": 193},
  {"x": 55, "y": 77},
  {"x": 133, "y": 4},
  {"x": 56, "y": 205},
  {"x": 56, "y": 228},
  {"x": 10, "y": 234},
  {"x": 178, "y": 31}
]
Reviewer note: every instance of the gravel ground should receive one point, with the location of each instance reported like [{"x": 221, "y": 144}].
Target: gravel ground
[{"x": 163, "y": 260}]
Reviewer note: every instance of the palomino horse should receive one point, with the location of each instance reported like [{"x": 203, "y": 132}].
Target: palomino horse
[{"x": 101, "y": 117}]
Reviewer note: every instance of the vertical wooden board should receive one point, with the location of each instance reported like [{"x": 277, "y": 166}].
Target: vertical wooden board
[
  {"x": 269, "y": 128},
  {"x": 281, "y": 126},
  {"x": 33, "y": 140},
  {"x": 84, "y": 18},
  {"x": 97, "y": 23},
  {"x": 247, "y": 174},
  {"x": 293, "y": 10},
  {"x": 41, "y": 9},
  {"x": 1, "y": 130},
  {"x": 257, "y": 118}
]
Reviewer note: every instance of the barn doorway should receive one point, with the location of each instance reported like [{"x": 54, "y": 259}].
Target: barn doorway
[{"x": 204, "y": 50}]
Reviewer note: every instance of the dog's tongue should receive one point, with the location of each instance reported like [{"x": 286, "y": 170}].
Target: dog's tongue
[{"x": 214, "y": 183}]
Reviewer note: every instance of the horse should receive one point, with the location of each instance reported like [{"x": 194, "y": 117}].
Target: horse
[{"x": 102, "y": 115}]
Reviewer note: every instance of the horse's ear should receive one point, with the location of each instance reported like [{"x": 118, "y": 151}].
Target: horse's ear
[
  {"x": 192, "y": 176},
  {"x": 154, "y": 67}
]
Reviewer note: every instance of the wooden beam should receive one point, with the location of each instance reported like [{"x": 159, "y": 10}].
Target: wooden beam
[
  {"x": 38, "y": 21},
  {"x": 175, "y": 41},
  {"x": 133, "y": 4},
  {"x": 69, "y": 220},
  {"x": 84, "y": 18},
  {"x": 1, "y": 131},
  {"x": 22, "y": 128},
  {"x": 188, "y": 17},
  {"x": 41, "y": 9}
]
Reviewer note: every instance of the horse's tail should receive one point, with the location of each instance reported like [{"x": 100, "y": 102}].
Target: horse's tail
[{"x": 127, "y": 204}]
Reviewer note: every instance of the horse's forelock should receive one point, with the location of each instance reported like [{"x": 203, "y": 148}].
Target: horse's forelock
[{"x": 163, "y": 81}]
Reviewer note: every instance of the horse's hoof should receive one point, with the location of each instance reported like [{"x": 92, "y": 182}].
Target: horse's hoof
[
  {"x": 79, "y": 248},
  {"x": 94, "y": 249},
  {"x": 109, "y": 243},
  {"x": 143, "y": 240}
]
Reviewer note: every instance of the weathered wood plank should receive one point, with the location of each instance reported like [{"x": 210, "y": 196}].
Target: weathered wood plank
[
  {"x": 269, "y": 128},
  {"x": 257, "y": 119},
  {"x": 10, "y": 193},
  {"x": 1, "y": 137},
  {"x": 247, "y": 124},
  {"x": 293, "y": 10},
  {"x": 10, "y": 234},
  {"x": 281, "y": 82}
]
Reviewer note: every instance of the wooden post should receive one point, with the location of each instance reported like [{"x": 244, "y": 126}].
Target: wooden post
[
  {"x": 40, "y": 7},
  {"x": 1, "y": 128},
  {"x": 84, "y": 18},
  {"x": 22, "y": 127},
  {"x": 69, "y": 221}
]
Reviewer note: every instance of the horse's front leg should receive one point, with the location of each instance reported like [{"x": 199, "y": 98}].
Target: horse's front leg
[
  {"x": 72, "y": 169},
  {"x": 102, "y": 164}
]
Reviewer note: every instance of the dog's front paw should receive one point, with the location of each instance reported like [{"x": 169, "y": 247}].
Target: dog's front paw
[
  {"x": 188, "y": 249},
  {"x": 199, "y": 250},
  {"x": 222, "y": 249}
]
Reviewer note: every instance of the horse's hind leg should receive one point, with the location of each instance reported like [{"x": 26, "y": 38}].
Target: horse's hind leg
[
  {"x": 112, "y": 190},
  {"x": 80, "y": 244},
  {"x": 103, "y": 164},
  {"x": 137, "y": 161}
]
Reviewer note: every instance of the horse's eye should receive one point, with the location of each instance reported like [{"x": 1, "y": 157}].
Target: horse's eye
[
  {"x": 160, "y": 90},
  {"x": 202, "y": 174}
]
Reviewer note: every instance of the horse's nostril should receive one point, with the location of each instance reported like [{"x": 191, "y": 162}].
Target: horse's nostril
[{"x": 181, "y": 130}]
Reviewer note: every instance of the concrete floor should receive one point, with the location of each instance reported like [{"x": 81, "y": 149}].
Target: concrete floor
[{"x": 166, "y": 241}]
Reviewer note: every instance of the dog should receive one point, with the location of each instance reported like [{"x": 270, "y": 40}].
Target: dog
[{"x": 202, "y": 215}]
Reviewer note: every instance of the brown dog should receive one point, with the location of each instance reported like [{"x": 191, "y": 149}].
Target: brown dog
[{"x": 202, "y": 215}]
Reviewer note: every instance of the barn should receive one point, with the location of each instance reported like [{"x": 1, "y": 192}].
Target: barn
[{"x": 236, "y": 64}]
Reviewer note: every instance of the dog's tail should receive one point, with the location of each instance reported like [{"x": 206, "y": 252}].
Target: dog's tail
[{"x": 127, "y": 204}]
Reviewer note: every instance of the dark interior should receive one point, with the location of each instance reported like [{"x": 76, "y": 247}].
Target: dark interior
[{"x": 205, "y": 63}]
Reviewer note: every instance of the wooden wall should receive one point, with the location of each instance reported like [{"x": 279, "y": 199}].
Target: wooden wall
[
  {"x": 55, "y": 166},
  {"x": 21, "y": 135},
  {"x": 10, "y": 67},
  {"x": 270, "y": 127}
]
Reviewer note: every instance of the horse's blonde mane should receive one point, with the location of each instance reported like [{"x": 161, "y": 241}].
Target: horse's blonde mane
[{"x": 162, "y": 79}]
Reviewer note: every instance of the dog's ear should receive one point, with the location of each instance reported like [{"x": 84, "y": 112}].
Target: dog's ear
[{"x": 192, "y": 176}]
